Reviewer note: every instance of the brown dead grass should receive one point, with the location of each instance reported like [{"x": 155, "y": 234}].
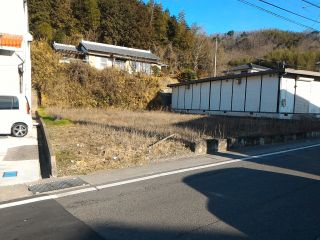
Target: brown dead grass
[
  {"x": 107, "y": 139},
  {"x": 111, "y": 139}
]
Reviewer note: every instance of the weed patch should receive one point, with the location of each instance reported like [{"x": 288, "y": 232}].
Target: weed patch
[{"x": 52, "y": 119}]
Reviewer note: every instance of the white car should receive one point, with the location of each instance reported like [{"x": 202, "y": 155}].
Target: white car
[{"x": 15, "y": 115}]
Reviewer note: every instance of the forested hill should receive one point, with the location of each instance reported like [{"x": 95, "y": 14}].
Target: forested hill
[{"x": 133, "y": 23}]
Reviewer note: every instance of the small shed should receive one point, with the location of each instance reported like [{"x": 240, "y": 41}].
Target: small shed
[{"x": 277, "y": 93}]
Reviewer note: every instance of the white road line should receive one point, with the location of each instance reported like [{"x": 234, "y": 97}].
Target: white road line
[
  {"x": 91, "y": 189},
  {"x": 200, "y": 167},
  {"x": 27, "y": 201}
]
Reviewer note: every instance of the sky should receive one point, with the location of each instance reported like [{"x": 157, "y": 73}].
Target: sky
[{"x": 221, "y": 16}]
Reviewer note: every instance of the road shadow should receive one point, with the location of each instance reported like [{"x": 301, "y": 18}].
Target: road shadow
[
  {"x": 261, "y": 204},
  {"x": 244, "y": 203},
  {"x": 232, "y": 127},
  {"x": 303, "y": 161},
  {"x": 43, "y": 220}
]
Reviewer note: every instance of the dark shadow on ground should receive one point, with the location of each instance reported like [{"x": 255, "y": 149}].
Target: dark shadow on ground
[
  {"x": 244, "y": 203},
  {"x": 43, "y": 220},
  {"x": 232, "y": 127},
  {"x": 304, "y": 161},
  {"x": 260, "y": 204},
  {"x": 29, "y": 152}
]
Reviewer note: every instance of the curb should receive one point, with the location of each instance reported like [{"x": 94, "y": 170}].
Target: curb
[
  {"x": 211, "y": 146},
  {"x": 49, "y": 166}
]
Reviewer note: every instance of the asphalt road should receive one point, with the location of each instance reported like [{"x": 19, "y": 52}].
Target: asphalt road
[{"x": 275, "y": 197}]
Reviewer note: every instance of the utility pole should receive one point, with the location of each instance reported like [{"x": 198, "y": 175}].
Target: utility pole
[
  {"x": 215, "y": 57},
  {"x": 152, "y": 3}
]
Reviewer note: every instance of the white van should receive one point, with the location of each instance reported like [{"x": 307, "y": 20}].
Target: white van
[{"x": 15, "y": 115}]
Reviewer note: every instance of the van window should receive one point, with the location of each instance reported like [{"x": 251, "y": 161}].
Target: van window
[
  {"x": 8, "y": 103},
  {"x": 15, "y": 103}
]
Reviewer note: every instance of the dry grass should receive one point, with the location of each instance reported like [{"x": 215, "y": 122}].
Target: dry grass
[
  {"x": 113, "y": 138},
  {"x": 146, "y": 123},
  {"x": 106, "y": 139}
]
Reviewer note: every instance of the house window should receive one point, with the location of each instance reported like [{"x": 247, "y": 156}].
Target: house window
[
  {"x": 104, "y": 62},
  {"x": 120, "y": 64},
  {"x": 8, "y": 103},
  {"x": 134, "y": 66},
  {"x": 147, "y": 68}
]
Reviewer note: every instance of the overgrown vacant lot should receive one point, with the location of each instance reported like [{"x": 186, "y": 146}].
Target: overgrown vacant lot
[
  {"x": 99, "y": 139},
  {"x": 95, "y": 139}
]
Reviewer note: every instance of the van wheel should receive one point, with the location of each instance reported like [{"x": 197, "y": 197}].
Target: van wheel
[{"x": 19, "y": 130}]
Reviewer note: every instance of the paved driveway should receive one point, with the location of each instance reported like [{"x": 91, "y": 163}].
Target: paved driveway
[{"x": 19, "y": 155}]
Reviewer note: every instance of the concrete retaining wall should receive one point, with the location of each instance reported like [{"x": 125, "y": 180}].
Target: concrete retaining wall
[
  {"x": 210, "y": 146},
  {"x": 46, "y": 153}
]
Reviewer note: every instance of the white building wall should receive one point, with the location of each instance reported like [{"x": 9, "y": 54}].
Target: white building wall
[
  {"x": 253, "y": 94},
  {"x": 226, "y": 95},
  {"x": 261, "y": 97},
  {"x": 287, "y": 92},
  {"x": 188, "y": 97},
  {"x": 181, "y": 97},
  {"x": 174, "y": 103},
  {"x": 14, "y": 20},
  {"x": 196, "y": 96},
  {"x": 239, "y": 88},
  {"x": 315, "y": 98},
  {"x": 215, "y": 95},
  {"x": 269, "y": 93},
  {"x": 205, "y": 94},
  {"x": 13, "y": 17},
  {"x": 302, "y": 97},
  {"x": 9, "y": 75}
]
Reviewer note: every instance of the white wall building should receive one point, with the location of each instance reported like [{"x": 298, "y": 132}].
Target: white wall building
[
  {"x": 15, "y": 39},
  {"x": 101, "y": 56},
  {"x": 285, "y": 93}
]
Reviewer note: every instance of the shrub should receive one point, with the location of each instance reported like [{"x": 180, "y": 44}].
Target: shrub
[
  {"x": 187, "y": 75},
  {"x": 79, "y": 85}
]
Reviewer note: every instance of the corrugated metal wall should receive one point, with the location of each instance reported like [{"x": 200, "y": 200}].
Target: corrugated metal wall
[
  {"x": 196, "y": 96},
  {"x": 175, "y": 93},
  {"x": 226, "y": 95},
  {"x": 239, "y": 94},
  {"x": 252, "y": 94},
  {"x": 205, "y": 96},
  {"x": 188, "y": 97},
  {"x": 287, "y": 91},
  {"x": 269, "y": 94},
  {"x": 215, "y": 96},
  {"x": 181, "y": 97},
  {"x": 303, "y": 93},
  {"x": 315, "y": 98}
]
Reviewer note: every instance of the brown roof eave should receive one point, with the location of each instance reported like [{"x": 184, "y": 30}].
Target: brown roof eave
[{"x": 124, "y": 56}]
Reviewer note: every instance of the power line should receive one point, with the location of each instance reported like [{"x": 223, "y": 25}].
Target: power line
[
  {"x": 283, "y": 9},
  {"x": 277, "y": 15},
  {"x": 312, "y": 4}
]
